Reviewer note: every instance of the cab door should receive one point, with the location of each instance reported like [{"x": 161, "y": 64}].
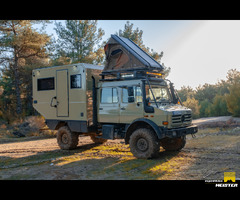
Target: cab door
[
  {"x": 131, "y": 106},
  {"x": 108, "y": 110}
]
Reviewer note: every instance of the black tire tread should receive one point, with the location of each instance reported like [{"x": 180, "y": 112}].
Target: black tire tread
[
  {"x": 72, "y": 138},
  {"x": 153, "y": 143}
]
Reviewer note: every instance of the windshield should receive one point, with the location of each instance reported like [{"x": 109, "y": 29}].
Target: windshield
[{"x": 161, "y": 93}]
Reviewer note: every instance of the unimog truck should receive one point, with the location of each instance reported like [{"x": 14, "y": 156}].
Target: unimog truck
[{"x": 128, "y": 98}]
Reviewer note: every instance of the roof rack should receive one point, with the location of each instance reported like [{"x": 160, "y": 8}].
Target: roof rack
[{"x": 131, "y": 74}]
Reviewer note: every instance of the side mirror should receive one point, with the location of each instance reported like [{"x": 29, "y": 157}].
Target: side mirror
[
  {"x": 130, "y": 91},
  {"x": 147, "y": 108},
  {"x": 130, "y": 99}
]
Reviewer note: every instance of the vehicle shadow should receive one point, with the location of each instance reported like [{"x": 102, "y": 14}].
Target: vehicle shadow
[{"x": 82, "y": 163}]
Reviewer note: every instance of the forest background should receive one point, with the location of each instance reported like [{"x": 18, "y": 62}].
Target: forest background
[{"x": 24, "y": 48}]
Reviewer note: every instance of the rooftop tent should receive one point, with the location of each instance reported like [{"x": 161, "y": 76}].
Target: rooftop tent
[{"x": 123, "y": 54}]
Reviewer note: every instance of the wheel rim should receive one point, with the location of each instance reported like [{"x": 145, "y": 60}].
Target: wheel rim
[
  {"x": 65, "y": 138},
  {"x": 142, "y": 144}
]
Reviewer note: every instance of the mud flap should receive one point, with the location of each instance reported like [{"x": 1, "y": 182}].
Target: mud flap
[{"x": 108, "y": 132}]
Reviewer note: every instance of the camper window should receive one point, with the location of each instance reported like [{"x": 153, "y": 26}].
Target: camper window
[
  {"x": 45, "y": 84},
  {"x": 76, "y": 81}
]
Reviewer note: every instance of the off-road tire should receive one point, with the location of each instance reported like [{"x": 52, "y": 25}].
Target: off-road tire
[
  {"x": 67, "y": 139},
  {"x": 97, "y": 140},
  {"x": 144, "y": 143},
  {"x": 173, "y": 144}
]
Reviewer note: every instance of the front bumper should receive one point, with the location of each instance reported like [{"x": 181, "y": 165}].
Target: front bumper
[{"x": 178, "y": 132}]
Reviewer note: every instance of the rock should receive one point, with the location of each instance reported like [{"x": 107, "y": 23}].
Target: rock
[
  {"x": 3, "y": 126},
  {"x": 17, "y": 133},
  {"x": 23, "y": 125}
]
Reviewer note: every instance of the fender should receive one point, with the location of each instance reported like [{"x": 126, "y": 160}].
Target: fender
[{"x": 142, "y": 123}]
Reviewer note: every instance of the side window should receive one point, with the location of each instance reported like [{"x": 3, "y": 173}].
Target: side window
[
  {"x": 124, "y": 95},
  {"x": 76, "y": 81},
  {"x": 137, "y": 94},
  {"x": 115, "y": 97},
  {"x": 45, "y": 84},
  {"x": 109, "y": 95}
]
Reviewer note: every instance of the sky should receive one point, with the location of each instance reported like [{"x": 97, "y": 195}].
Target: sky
[
  {"x": 203, "y": 53},
  {"x": 198, "y": 51}
]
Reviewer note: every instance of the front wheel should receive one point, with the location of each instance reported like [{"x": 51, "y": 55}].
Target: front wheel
[{"x": 144, "y": 143}]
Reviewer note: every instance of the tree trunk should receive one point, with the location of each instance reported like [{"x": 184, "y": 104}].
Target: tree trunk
[
  {"x": 16, "y": 74},
  {"x": 29, "y": 100},
  {"x": 17, "y": 85}
]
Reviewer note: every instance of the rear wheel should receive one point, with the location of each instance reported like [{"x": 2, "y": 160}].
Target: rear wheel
[
  {"x": 144, "y": 143},
  {"x": 173, "y": 144},
  {"x": 67, "y": 139}
]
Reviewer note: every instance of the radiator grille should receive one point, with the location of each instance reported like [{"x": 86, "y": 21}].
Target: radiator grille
[{"x": 181, "y": 119}]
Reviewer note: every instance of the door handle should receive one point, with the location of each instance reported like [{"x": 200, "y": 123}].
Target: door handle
[
  {"x": 123, "y": 108},
  {"x": 51, "y": 104},
  {"x": 100, "y": 108}
]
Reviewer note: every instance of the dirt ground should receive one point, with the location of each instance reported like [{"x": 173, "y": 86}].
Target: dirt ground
[{"x": 207, "y": 156}]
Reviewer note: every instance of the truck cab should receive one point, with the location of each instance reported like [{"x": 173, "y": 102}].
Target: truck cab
[
  {"x": 145, "y": 105},
  {"x": 123, "y": 102}
]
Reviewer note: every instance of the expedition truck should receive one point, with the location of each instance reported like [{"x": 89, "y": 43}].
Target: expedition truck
[{"x": 126, "y": 99}]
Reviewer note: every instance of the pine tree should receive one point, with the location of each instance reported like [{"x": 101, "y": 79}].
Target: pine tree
[
  {"x": 78, "y": 41},
  {"x": 18, "y": 43}
]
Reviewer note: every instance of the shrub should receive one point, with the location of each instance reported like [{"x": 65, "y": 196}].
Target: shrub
[{"x": 192, "y": 103}]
